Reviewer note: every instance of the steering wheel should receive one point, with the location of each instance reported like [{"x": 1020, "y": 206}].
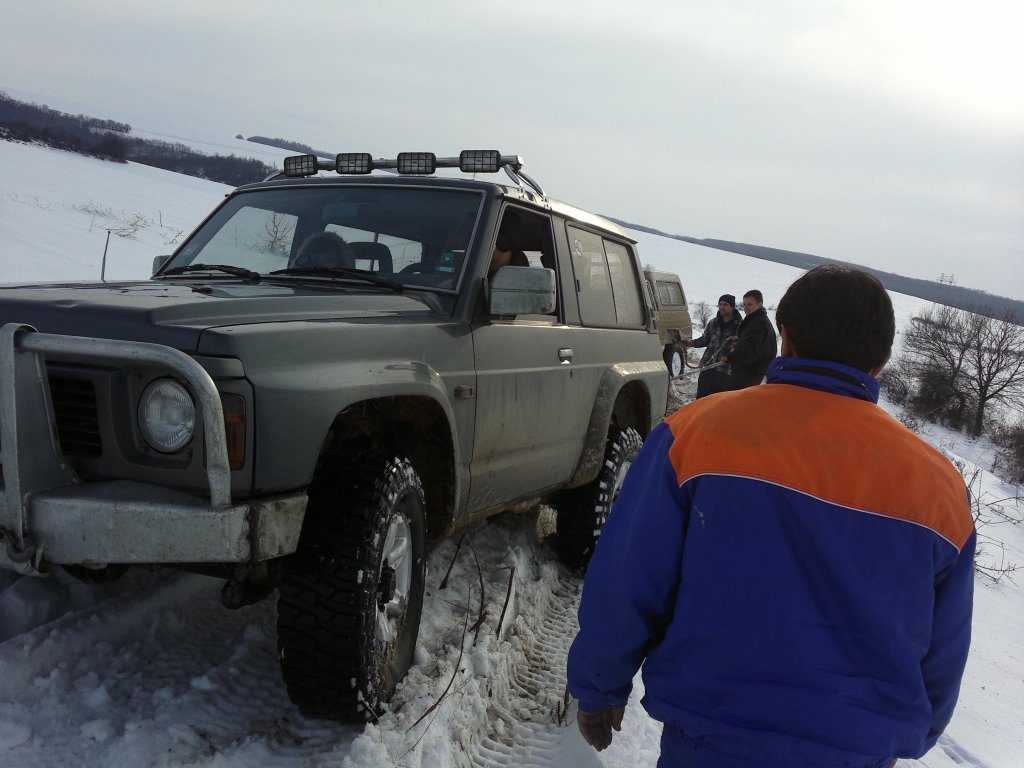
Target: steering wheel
[{"x": 415, "y": 268}]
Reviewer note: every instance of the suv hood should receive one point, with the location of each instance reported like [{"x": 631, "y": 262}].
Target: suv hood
[{"x": 176, "y": 313}]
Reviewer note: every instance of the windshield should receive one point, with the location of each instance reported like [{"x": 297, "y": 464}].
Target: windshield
[{"x": 413, "y": 236}]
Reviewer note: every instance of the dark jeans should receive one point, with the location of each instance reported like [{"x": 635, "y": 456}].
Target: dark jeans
[
  {"x": 711, "y": 381},
  {"x": 680, "y": 751}
]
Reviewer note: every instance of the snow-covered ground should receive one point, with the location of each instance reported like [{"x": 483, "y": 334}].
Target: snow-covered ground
[{"x": 152, "y": 671}]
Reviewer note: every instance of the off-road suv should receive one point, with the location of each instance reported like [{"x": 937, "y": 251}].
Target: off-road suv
[{"x": 329, "y": 373}]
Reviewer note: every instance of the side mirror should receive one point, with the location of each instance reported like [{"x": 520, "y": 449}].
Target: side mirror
[
  {"x": 523, "y": 291},
  {"x": 159, "y": 261}
]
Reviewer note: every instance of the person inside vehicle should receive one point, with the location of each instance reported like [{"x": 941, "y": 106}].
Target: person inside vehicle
[
  {"x": 324, "y": 249},
  {"x": 506, "y": 254}
]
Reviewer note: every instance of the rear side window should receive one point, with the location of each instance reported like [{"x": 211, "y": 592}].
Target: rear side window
[
  {"x": 625, "y": 289},
  {"x": 606, "y": 280},
  {"x": 670, "y": 294}
]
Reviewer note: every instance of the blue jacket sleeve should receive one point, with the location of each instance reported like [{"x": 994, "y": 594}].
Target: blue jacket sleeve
[
  {"x": 943, "y": 665},
  {"x": 631, "y": 584}
]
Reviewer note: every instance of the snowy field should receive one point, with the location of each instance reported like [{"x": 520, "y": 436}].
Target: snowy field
[{"x": 152, "y": 671}]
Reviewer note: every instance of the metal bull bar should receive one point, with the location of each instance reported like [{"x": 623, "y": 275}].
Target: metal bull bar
[{"x": 34, "y": 464}]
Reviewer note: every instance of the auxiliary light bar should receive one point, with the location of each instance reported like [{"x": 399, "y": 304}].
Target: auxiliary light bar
[{"x": 415, "y": 163}]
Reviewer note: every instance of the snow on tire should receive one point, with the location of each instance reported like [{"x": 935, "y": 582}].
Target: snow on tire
[
  {"x": 583, "y": 511},
  {"x": 351, "y": 596}
]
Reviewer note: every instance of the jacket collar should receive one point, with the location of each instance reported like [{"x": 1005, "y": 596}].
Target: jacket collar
[{"x": 824, "y": 376}]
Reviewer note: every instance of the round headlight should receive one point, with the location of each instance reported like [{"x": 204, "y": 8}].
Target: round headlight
[{"x": 167, "y": 416}]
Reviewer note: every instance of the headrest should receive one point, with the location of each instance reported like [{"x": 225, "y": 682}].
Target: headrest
[{"x": 378, "y": 254}]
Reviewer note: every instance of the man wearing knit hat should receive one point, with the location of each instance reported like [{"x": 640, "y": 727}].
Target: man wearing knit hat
[{"x": 717, "y": 333}]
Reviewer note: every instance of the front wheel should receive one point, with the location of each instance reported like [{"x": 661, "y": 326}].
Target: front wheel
[
  {"x": 352, "y": 594},
  {"x": 583, "y": 511}
]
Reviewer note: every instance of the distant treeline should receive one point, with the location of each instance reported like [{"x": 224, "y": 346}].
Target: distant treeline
[
  {"x": 294, "y": 146},
  {"x": 227, "y": 169},
  {"x": 110, "y": 140},
  {"x": 970, "y": 299},
  {"x": 76, "y": 133}
]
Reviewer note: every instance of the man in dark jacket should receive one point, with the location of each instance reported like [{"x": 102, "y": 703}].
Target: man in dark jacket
[
  {"x": 755, "y": 347},
  {"x": 716, "y": 337},
  {"x": 800, "y": 597}
]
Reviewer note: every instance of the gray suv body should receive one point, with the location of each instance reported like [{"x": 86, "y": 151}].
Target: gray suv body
[{"x": 293, "y": 417}]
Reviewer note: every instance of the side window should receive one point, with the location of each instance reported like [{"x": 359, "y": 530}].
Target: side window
[
  {"x": 593, "y": 285},
  {"x": 625, "y": 288},
  {"x": 527, "y": 234},
  {"x": 606, "y": 282}
]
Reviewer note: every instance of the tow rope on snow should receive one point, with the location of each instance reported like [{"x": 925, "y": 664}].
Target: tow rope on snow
[{"x": 698, "y": 370}]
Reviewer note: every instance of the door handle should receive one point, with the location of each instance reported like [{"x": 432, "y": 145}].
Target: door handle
[{"x": 565, "y": 355}]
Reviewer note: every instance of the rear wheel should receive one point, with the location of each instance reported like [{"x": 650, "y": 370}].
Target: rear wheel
[
  {"x": 351, "y": 596},
  {"x": 583, "y": 511}
]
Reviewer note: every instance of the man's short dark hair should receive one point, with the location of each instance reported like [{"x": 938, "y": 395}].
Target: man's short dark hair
[
  {"x": 755, "y": 295},
  {"x": 839, "y": 314},
  {"x": 505, "y": 241}
]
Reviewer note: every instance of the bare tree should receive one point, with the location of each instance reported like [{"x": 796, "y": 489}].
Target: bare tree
[
  {"x": 702, "y": 312},
  {"x": 278, "y": 231},
  {"x": 962, "y": 361}
]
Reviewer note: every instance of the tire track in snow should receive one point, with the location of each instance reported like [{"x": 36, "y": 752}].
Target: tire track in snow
[
  {"x": 170, "y": 677},
  {"x": 526, "y": 708},
  {"x": 164, "y": 675}
]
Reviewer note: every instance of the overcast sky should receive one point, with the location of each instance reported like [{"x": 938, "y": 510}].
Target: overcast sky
[{"x": 883, "y": 132}]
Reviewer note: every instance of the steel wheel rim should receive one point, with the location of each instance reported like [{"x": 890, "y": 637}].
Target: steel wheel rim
[
  {"x": 676, "y": 364},
  {"x": 396, "y": 554}
]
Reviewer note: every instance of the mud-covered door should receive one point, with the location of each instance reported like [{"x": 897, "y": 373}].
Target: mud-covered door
[
  {"x": 530, "y": 418},
  {"x": 528, "y": 425}
]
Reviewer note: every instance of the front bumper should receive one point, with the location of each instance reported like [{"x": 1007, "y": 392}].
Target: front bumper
[
  {"x": 127, "y": 522},
  {"x": 48, "y": 515}
]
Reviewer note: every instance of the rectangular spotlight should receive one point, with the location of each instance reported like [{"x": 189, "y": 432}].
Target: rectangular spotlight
[
  {"x": 417, "y": 162},
  {"x": 354, "y": 162},
  {"x": 301, "y": 165},
  {"x": 479, "y": 160}
]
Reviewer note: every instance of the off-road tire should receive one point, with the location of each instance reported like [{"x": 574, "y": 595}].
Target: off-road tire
[
  {"x": 583, "y": 511},
  {"x": 334, "y": 661}
]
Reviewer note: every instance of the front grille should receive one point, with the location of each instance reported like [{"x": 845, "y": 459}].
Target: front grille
[{"x": 74, "y": 406}]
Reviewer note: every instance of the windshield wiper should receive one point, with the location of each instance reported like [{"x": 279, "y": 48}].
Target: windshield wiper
[
  {"x": 359, "y": 274},
  {"x": 231, "y": 270}
]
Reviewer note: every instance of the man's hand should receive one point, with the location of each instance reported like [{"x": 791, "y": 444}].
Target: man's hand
[{"x": 596, "y": 727}]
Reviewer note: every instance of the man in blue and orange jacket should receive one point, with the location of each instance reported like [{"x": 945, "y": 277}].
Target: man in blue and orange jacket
[{"x": 791, "y": 566}]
